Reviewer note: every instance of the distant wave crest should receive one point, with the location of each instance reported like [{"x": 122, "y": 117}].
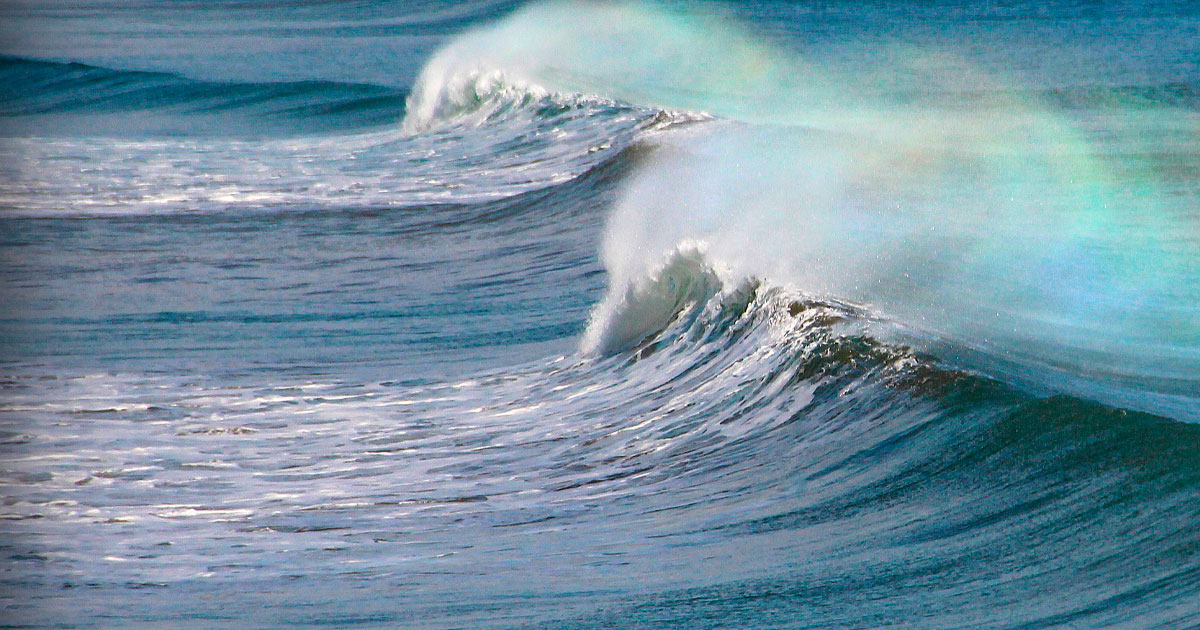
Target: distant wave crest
[{"x": 48, "y": 95}]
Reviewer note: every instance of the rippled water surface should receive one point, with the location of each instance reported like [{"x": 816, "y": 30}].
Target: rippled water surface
[{"x": 599, "y": 315}]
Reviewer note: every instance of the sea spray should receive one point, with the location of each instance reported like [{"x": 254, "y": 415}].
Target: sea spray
[
  {"x": 984, "y": 223},
  {"x": 991, "y": 268}
]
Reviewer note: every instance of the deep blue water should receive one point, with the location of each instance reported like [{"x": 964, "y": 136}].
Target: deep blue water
[{"x": 600, "y": 315}]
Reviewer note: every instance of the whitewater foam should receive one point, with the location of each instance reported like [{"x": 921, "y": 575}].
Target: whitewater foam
[
  {"x": 985, "y": 225},
  {"x": 1029, "y": 290}
]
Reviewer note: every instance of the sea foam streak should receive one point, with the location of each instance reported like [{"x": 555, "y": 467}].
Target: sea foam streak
[{"x": 989, "y": 228}]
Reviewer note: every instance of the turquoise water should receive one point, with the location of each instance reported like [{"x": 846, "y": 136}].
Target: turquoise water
[{"x": 591, "y": 315}]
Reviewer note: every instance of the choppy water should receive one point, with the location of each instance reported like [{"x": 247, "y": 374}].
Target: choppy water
[{"x": 588, "y": 315}]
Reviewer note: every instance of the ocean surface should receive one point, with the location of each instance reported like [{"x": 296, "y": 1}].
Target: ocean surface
[{"x": 490, "y": 314}]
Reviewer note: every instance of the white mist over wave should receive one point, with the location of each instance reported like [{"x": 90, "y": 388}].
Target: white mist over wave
[
  {"x": 593, "y": 53},
  {"x": 995, "y": 231},
  {"x": 1016, "y": 284}
]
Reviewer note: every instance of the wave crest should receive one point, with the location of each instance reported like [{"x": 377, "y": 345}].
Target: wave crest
[
  {"x": 987, "y": 224},
  {"x": 479, "y": 96},
  {"x": 55, "y": 98},
  {"x": 680, "y": 286}
]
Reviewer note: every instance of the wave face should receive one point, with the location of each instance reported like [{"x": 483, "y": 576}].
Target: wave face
[
  {"x": 594, "y": 315},
  {"x": 992, "y": 261}
]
